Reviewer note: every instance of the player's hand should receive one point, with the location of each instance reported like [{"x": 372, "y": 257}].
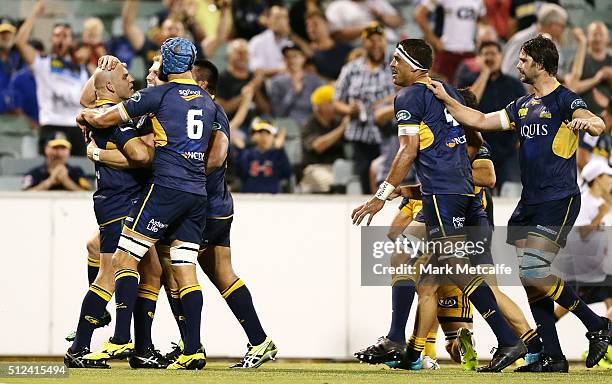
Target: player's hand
[
  {"x": 579, "y": 125},
  {"x": 579, "y": 35},
  {"x": 108, "y": 62},
  {"x": 90, "y": 149},
  {"x": 438, "y": 90},
  {"x": 371, "y": 207}
]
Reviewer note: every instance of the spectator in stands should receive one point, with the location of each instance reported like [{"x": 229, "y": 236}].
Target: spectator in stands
[
  {"x": 494, "y": 90},
  {"x": 361, "y": 84},
  {"x": 594, "y": 72},
  {"x": 235, "y": 78},
  {"x": 498, "y": 16},
  {"x": 263, "y": 167},
  {"x": 524, "y": 13},
  {"x": 250, "y": 16},
  {"x": 328, "y": 56},
  {"x": 470, "y": 67},
  {"x": 348, "y": 18},
  {"x": 290, "y": 90},
  {"x": 265, "y": 48},
  {"x": 91, "y": 46},
  {"x": 22, "y": 90},
  {"x": 56, "y": 173},
  {"x": 59, "y": 81},
  {"x": 10, "y": 61},
  {"x": 322, "y": 141},
  {"x": 552, "y": 20},
  {"x": 457, "y": 42},
  {"x": 297, "y": 20},
  {"x": 173, "y": 25}
]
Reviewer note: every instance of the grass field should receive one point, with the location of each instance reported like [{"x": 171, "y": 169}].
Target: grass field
[{"x": 320, "y": 373}]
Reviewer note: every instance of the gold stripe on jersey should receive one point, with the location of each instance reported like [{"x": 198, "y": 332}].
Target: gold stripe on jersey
[
  {"x": 565, "y": 142},
  {"x": 159, "y": 133},
  {"x": 426, "y": 136}
]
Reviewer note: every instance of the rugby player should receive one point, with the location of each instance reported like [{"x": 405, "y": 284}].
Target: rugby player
[
  {"x": 175, "y": 202},
  {"x": 443, "y": 168},
  {"x": 140, "y": 154},
  {"x": 215, "y": 258},
  {"x": 549, "y": 121},
  {"x": 215, "y": 253},
  {"x": 114, "y": 197}
]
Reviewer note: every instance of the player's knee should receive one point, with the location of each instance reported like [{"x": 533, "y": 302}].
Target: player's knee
[
  {"x": 93, "y": 247},
  {"x": 535, "y": 264},
  {"x": 132, "y": 246},
  {"x": 184, "y": 254}
]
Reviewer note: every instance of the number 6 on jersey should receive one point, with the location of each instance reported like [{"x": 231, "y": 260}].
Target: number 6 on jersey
[{"x": 195, "y": 127}]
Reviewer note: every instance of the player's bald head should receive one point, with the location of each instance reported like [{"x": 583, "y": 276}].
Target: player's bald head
[{"x": 114, "y": 83}]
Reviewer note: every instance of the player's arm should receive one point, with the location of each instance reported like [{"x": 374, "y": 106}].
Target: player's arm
[
  {"x": 100, "y": 118},
  {"x": 494, "y": 121},
  {"x": 139, "y": 152},
  {"x": 217, "y": 151},
  {"x": 421, "y": 16},
  {"x": 407, "y": 153},
  {"x": 28, "y": 53},
  {"x": 474, "y": 141},
  {"x": 483, "y": 173},
  {"x": 585, "y": 120}
]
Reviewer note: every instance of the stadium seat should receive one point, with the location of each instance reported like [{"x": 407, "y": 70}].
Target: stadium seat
[
  {"x": 10, "y": 145},
  {"x": 14, "y": 126},
  {"x": 18, "y": 167},
  {"x": 293, "y": 147},
  {"x": 11, "y": 183},
  {"x": 343, "y": 171},
  {"x": 291, "y": 126}
]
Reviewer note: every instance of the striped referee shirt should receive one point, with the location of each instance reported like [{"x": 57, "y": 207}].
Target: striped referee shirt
[{"x": 358, "y": 82}]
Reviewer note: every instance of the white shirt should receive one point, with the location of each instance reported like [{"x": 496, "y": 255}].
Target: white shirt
[
  {"x": 265, "y": 51},
  {"x": 58, "y": 90},
  {"x": 343, "y": 14},
  {"x": 460, "y": 18},
  {"x": 583, "y": 259}
]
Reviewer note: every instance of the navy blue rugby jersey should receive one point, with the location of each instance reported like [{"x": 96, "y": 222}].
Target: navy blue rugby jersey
[
  {"x": 114, "y": 185},
  {"x": 442, "y": 164},
  {"x": 220, "y": 202},
  {"x": 548, "y": 148},
  {"x": 182, "y": 115}
]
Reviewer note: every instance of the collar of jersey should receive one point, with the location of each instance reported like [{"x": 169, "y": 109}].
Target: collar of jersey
[
  {"x": 184, "y": 81},
  {"x": 425, "y": 82},
  {"x": 557, "y": 84},
  {"x": 104, "y": 102}
]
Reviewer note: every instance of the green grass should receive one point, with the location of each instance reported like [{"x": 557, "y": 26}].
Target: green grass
[{"x": 283, "y": 372}]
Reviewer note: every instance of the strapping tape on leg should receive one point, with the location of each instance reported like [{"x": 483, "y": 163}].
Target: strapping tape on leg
[
  {"x": 134, "y": 246},
  {"x": 414, "y": 245},
  {"x": 184, "y": 254},
  {"x": 535, "y": 263}
]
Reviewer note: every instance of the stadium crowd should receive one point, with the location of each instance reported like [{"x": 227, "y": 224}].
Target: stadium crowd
[{"x": 312, "y": 77}]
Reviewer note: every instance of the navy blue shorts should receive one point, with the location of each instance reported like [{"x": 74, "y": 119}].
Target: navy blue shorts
[
  {"x": 552, "y": 220},
  {"x": 109, "y": 236},
  {"x": 110, "y": 214},
  {"x": 479, "y": 230},
  {"x": 446, "y": 215},
  {"x": 166, "y": 212},
  {"x": 217, "y": 232}
]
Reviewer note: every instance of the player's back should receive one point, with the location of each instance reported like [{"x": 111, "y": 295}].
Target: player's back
[
  {"x": 220, "y": 202},
  {"x": 442, "y": 164},
  {"x": 182, "y": 115}
]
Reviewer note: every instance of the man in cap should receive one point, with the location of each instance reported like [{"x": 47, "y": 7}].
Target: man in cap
[
  {"x": 56, "y": 173},
  {"x": 10, "y": 60}
]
